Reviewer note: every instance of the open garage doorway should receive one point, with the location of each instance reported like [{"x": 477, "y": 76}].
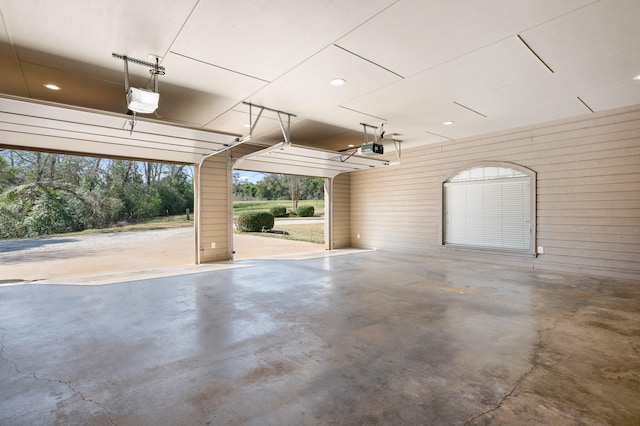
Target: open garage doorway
[
  {"x": 68, "y": 216},
  {"x": 295, "y": 204}
]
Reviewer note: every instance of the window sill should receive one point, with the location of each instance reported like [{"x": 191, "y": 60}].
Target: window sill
[{"x": 521, "y": 254}]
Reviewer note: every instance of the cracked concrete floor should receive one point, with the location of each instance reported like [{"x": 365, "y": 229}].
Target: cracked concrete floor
[{"x": 361, "y": 338}]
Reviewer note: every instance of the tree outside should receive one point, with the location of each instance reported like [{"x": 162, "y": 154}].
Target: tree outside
[
  {"x": 46, "y": 193},
  {"x": 279, "y": 187}
]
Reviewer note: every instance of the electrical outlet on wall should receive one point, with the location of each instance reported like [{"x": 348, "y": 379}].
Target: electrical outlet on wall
[
  {"x": 540, "y": 250},
  {"x": 213, "y": 245}
]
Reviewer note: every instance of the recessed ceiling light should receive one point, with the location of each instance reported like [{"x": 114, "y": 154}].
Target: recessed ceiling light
[
  {"x": 448, "y": 123},
  {"x": 52, "y": 86},
  {"x": 637, "y": 77},
  {"x": 338, "y": 81},
  {"x": 351, "y": 145},
  {"x": 246, "y": 125}
]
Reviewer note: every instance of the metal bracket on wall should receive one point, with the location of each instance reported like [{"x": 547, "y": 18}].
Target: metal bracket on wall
[
  {"x": 286, "y": 130},
  {"x": 155, "y": 71},
  {"x": 397, "y": 144},
  {"x": 375, "y": 133}
]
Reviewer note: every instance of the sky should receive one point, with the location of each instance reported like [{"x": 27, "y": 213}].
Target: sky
[{"x": 252, "y": 177}]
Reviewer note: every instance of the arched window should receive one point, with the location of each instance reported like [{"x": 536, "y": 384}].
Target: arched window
[{"x": 490, "y": 206}]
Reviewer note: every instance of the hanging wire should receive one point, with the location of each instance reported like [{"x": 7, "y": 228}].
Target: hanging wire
[
  {"x": 155, "y": 72},
  {"x": 132, "y": 123},
  {"x": 342, "y": 160}
]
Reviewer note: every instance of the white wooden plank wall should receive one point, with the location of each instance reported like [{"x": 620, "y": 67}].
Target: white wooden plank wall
[
  {"x": 588, "y": 194},
  {"x": 341, "y": 211},
  {"x": 215, "y": 210}
]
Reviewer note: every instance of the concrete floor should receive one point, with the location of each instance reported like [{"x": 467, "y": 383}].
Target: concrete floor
[{"x": 362, "y": 338}]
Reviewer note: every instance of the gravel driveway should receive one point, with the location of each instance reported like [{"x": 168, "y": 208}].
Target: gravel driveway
[{"x": 74, "y": 258}]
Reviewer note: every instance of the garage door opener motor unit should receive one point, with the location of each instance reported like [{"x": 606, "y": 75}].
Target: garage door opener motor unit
[{"x": 372, "y": 147}]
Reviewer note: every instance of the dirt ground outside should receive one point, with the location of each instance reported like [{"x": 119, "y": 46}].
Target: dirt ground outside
[{"x": 103, "y": 258}]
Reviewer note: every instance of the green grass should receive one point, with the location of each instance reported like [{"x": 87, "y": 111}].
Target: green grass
[
  {"x": 175, "y": 219},
  {"x": 161, "y": 222},
  {"x": 240, "y": 207},
  {"x": 312, "y": 233}
]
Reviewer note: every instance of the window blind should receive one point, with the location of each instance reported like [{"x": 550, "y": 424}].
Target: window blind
[{"x": 492, "y": 213}]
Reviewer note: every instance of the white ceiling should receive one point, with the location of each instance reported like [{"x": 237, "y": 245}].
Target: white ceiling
[{"x": 410, "y": 64}]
